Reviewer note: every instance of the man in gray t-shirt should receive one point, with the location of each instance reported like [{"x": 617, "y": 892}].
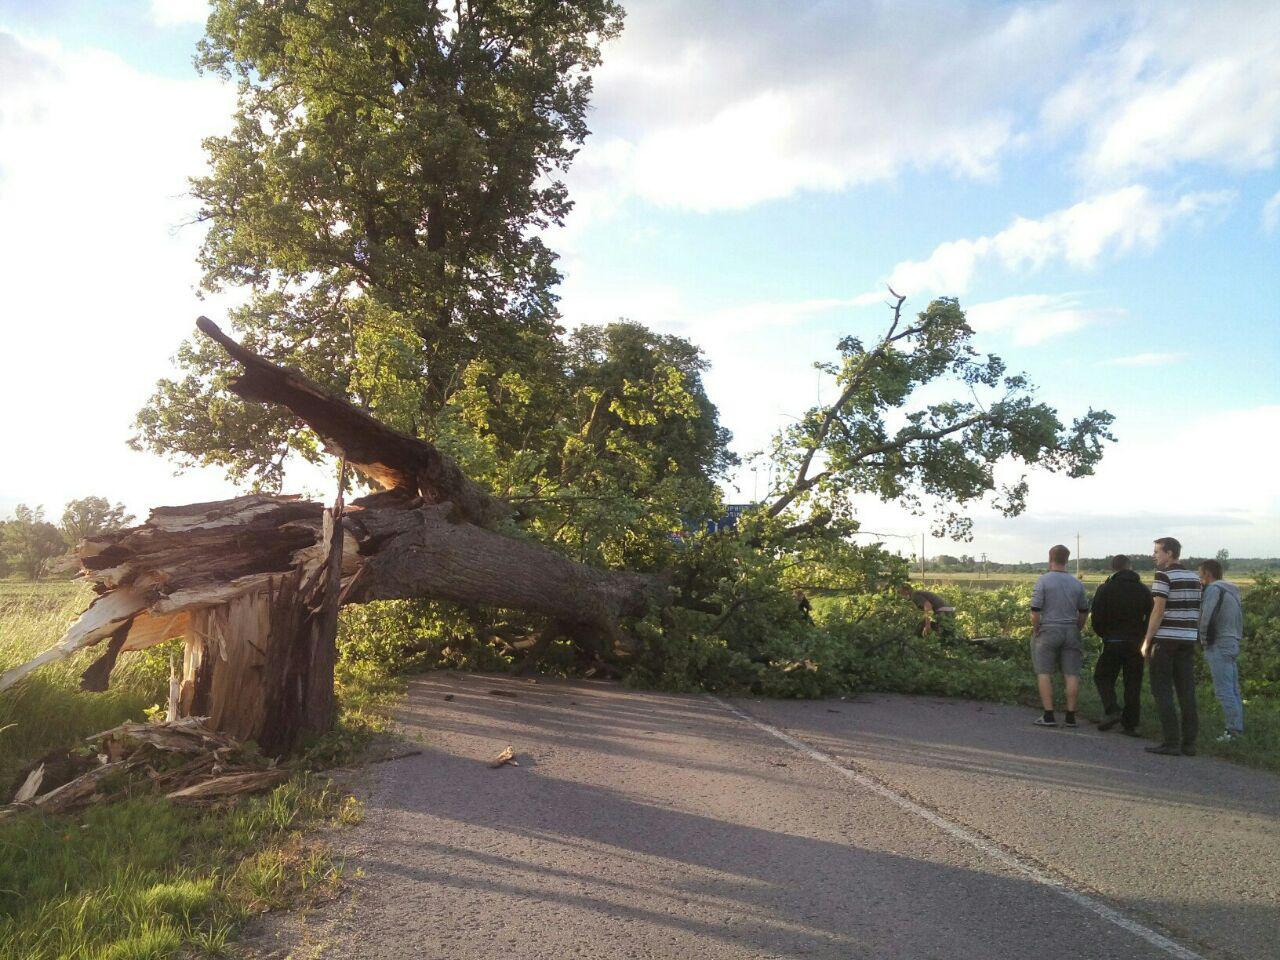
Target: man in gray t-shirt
[{"x": 1059, "y": 607}]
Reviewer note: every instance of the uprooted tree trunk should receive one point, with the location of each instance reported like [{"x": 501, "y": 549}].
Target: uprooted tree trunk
[{"x": 254, "y": 583}]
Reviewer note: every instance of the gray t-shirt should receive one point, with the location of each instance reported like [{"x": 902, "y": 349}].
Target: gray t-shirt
[{"x": 1059, "y": 598}]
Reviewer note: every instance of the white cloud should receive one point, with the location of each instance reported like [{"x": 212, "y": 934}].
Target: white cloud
[
  {"x": 98, "y": 282},
  {"x": 169, "y": 13},
  {"x": 703, "y": 108},
  {"x": 1271, "y": 213},
  {"x": 1125, "y": 486},
  {"x": 1079, "y": 235},
  {"x": 1123, "y": 506},
  {"x": 1035, "y": 318},
  {"x": 699, "y": 110},
  {"x": 1145, "y": 360},
  {"x": 1177, "y": 83}
]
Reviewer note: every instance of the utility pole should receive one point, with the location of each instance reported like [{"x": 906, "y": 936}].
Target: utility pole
[
  {"x": 922, "y": 558},
  {"x": 984, "y": 566},
  {"x": 1077, "y": 555}
]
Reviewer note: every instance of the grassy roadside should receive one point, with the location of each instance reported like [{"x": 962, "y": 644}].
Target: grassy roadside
[
  {"x": 1259, "y": 747},
  {"x": 920, "y": 666},
  {"x": 143, "y": 879}
]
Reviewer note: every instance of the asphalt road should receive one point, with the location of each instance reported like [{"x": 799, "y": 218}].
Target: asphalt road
[{"x": 640, "y": 825}]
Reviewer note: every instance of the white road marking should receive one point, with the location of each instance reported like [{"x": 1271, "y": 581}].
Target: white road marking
[{"x": 1025, "y": 867}]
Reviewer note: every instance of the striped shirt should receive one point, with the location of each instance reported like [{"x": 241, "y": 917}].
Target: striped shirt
[{"x": 1180, "y": 588}]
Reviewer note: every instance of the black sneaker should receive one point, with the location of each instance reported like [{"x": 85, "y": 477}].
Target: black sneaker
[
  {"x": 1109, "y": 721},
  {"x": 1166, "y": 750},
  {"x": 1188, "y": 750},
  {"x": 1045, "y": 722},
  {"x": 1130, "y": 732},
  {"x": 1070, "y": 720}
]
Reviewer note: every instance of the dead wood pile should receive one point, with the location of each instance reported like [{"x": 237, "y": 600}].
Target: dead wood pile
[{"x": 183, "y": 760}]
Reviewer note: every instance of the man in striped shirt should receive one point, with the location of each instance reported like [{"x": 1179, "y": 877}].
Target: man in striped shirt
[{"x": 1170, "y": 648}]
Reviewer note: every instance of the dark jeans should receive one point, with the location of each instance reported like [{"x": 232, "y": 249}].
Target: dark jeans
[
  {"x": 1173, "y": 672},
  {"x": 1121, "y": 656}
]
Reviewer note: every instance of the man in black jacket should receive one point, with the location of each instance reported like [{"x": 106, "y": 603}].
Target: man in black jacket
[{"x": 1120, "y": 610}]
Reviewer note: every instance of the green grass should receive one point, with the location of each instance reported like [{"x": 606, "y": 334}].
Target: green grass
[
  {"x": 47, "y": 710},
  {"x": 143, "y": 878}
]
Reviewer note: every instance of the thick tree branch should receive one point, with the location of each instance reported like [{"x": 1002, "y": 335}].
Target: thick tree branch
[
  {"x": 404, "y": 465},
  {"x": 802, "y": 480}
]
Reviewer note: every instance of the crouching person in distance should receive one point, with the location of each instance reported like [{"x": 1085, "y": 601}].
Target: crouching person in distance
[
  {"x": 1221, "y": 630},
  {"x": 939, "y": 616},
  {"x": 1059, "y": 608},
  {"x": 1120, "y": 611}
]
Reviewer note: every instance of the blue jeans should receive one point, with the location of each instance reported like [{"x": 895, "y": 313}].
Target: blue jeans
[{"x": 1221, "y": 656}]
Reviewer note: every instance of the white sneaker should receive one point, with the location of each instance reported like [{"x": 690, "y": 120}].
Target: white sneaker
[{"x": 1227, "y": 737}]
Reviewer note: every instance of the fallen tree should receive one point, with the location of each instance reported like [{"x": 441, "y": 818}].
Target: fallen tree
[{"x": 253, "y": 584}]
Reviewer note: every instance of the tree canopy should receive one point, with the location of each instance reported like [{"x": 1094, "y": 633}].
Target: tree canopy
[
  {"x": 879, "y": 439},
  {"x": 29, "y": 542},
  {"x": 381, "y": 203},
  {"x": 381, "y": 197},
  {"x": 90, "y": 516}
]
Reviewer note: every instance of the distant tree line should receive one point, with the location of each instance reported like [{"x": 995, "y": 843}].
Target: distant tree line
[
  {"x": 1139, "y": 559},
  {"x": 30, "y": 545}
]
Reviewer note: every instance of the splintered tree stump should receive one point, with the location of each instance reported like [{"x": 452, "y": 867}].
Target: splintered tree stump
[{"x": 260, "y": 667}]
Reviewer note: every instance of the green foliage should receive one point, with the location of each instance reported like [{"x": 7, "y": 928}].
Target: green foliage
[
  {"x": 1260, "y": 653},
  {"x": 90, "y": 516},
  {"x": 381, "y": 195},
  {"x": 880, "y": 440},
  {"x": 29, "y": 542}
]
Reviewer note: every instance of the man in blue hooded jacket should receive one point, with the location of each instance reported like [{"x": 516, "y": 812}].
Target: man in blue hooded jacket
[{"x": 1221, "y": 630}]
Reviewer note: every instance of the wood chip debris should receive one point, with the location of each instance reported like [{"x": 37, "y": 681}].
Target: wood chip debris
[
  {"x": 183, "y": 759},
  {"x": 30, "y": 786},
  {"x": 231, "y": 785},
  {"x": 504, "y": 693},
  {"x": 507, "y": 756}
]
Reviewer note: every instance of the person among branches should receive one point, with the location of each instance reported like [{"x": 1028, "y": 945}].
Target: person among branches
[
  {"x": 939, "y": 615},
  {"x": 1119, "y": 612},
  {"x": 803, "y": 605},
  {"x": 1059, "y": 608}
]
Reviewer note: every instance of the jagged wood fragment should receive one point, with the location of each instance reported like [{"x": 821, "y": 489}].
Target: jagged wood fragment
[
  {"x": 231, "y": 785},
  {"x": 30, "y": 786}
]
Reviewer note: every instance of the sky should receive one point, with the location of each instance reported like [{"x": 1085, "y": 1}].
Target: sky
[{"x": 1097, "y": 182}]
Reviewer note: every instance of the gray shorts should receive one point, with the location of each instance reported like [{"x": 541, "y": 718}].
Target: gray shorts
[{"x": 1058, "y": 647}]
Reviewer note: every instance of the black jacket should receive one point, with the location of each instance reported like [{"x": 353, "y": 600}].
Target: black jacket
[{"x": 1121, "y": 607}]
